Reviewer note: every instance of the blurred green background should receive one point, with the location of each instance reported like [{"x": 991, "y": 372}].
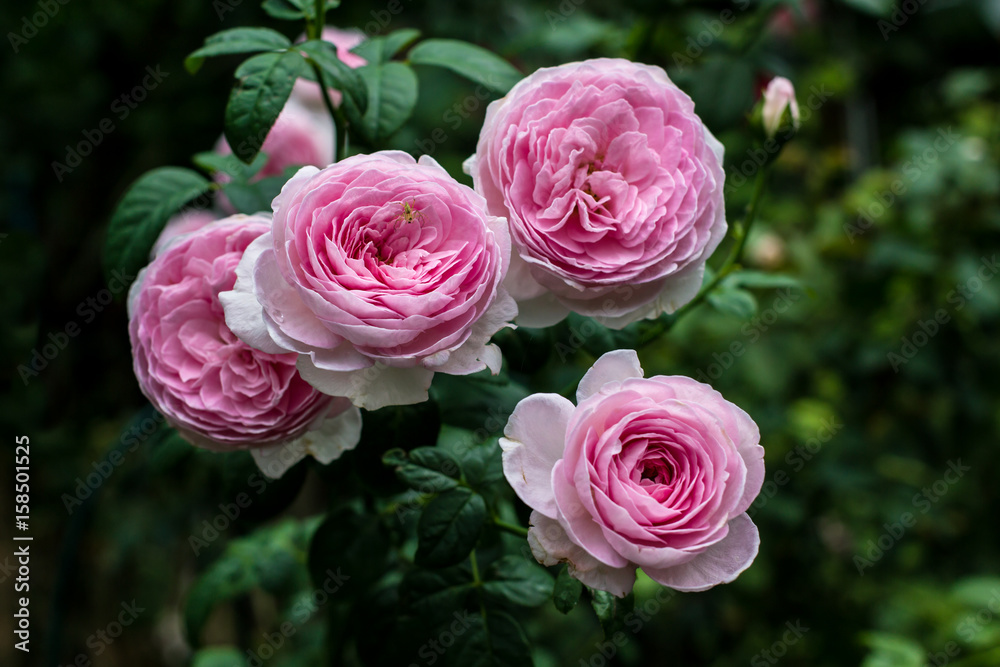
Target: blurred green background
[{"x": 876, "y": 388}]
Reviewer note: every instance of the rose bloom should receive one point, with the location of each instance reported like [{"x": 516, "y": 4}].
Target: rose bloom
[
  {"x": 216, "y": 390},
  {"x": 307, "y": 92},
  {"x": 654, "y": 473},
  {"x": 379, "y": 271},
  {"x": 613, "y": 189}
]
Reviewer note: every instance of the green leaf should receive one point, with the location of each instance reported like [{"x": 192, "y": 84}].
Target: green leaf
[
  {"x": 271, "y": 558},
  {"x": 426, "y": 469},
  {"x": 889, "y": 650},
  {"x": 761, "y": 279},
  {"x": 291, "y": 10},
  {"x": 340, "y": 76},
  {"x": 236, "y": 40},
  {"x": 142, "y": 213},
  {"x": 392, "y": 96},
  {"x": 229, "y": 164},
  {"x": 218, "y": 656},
  {"x": 252, "y": 197},
  {"x": 734, "y": 301},
  {"x": 283, "y": 9},
  {"x": 473, "y": 62},
  {"x": 480, "y": 402},
  {"x": 519, "y": 581},
  {"x": 433, "y": 595},
  {"x": 566, "y": 593},
  {"x": 349, "y": 551},
  {"x": 264, "y": 84},
  {"x": 496, "y": 641},
  {"x": 449, "y": 528},
  {"x": 379, "y": 50},
  {"x": 611, "y": 611}
]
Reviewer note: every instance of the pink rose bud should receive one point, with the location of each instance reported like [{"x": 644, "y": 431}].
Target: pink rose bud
[
  {"x": 379, "y": 271},
  {"x": 613, "y": 188},
  {"x": 216, "y": 390},
  {"x": 306, "y": 92},
  {"x": 779, "y": 97},
  {"x": 655, "y": 473}
]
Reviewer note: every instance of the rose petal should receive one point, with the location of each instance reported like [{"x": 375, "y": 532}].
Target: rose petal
[
  {"x": 615, "y": 366},
  {"x": 550, "y": 545},
  {"x": 371, "y": 388},
  {"x": 721, "y": 563},
  {"x": 535, "y": 437}
]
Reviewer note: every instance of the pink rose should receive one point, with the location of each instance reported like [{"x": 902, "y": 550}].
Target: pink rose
[
  {"x": 216, "y": 390},
  {"x": 654, "y": 473},
  {"x": 307, "y": 92},
  {"x": 379, "y": 271},
  {"x": 612, "y": 186}
]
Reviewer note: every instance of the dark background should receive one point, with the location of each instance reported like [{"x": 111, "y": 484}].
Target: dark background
[{"x": 875, "y": 432}]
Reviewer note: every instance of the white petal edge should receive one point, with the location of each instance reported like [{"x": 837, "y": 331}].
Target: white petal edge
[
  {"x": 370, "y": 388},
  {"x": 244, "y": 314},
  {"x": 613, "y": 367},
  {"x": 333, "y": 436},
  {"x": 476, "y": 353},
  {"x": 550, "y": 545},
  {"x": 535, "y": 437},
  {"x": 678, "y": 290}
]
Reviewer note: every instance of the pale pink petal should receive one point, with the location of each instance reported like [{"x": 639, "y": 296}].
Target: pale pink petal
[
  {"x": 371, "y": 388},
  {"x": 550, "y": 545},
  {"x": 721, "y": 563},
  {"x": 613, "y": 367},
  {"x": 534, "y": 439}
]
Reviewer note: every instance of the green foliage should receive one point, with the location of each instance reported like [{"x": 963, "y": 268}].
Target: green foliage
[
  {"x": 567, "y": 591},
  {"x": 237, "y": 40},
  {"x": 473, "y": 62},
  {"x": 449, "y": 528},
  {"x": 270, "y": 559},
  {"x": 263, "y": 85},
  {"x": 340, "y": 76},
  {"x": 380, "y": 49},
  {"x": 392, "y": 96},
  {"x": 142, "y": 213}
]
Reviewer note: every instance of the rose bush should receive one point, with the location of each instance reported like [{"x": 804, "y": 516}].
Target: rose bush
[
  {"x": 613, "y": 188},
  {"x": 379, "y": 271},
  {"x": 218, "y": 392},
  {"x": 654, "y": 473}
]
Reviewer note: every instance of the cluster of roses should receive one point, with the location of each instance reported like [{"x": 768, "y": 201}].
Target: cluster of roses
[{"x": 598, "y": 190}]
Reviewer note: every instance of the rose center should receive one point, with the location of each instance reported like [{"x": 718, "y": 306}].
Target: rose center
[
  {"x": 391, "y": 233},
  {"x": 656, "y": 472}
]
